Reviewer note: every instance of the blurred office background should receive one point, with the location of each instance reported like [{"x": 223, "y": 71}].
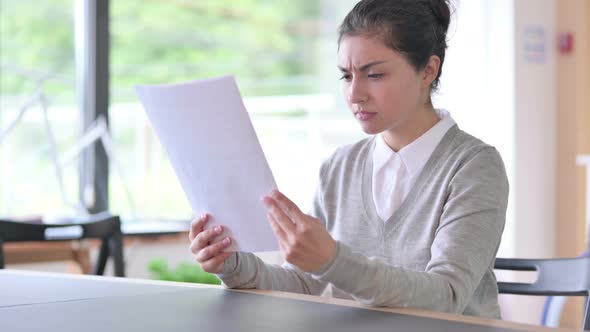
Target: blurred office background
[{"x": 516, "y": 75}]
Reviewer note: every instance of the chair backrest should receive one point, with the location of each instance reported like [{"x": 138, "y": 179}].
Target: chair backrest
[
  {"x": 103, "y": 226},
  {"x": 556, "y": 277},
  {"x": 95, "y": 226}
]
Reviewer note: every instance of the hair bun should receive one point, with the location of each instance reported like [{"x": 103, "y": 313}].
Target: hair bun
[{"x": 442, "y": 13}]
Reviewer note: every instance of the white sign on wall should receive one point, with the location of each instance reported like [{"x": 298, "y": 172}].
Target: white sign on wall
[{"x": 534, "y": 43}]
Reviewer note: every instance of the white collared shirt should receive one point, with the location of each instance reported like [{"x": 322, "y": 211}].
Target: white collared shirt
[{"x": 394, "y": 173}]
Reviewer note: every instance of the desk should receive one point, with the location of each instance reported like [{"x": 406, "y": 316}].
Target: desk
[{"x": 59, "y": 302}]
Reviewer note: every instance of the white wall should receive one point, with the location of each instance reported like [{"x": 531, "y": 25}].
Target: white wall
[
  {"x": 535, "y": 140},
  {"x": 501, "y": 88}
]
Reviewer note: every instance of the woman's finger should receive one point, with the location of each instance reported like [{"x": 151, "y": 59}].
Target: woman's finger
[
  {"x": 204, "y": 238},
  {"x": 286, "y": 204},
  {"x": 211, "y": 251},
  {"x": 280, "y": 217},
  {"x": 197, "y": 226},
  {"x": 282, "y": 237}
]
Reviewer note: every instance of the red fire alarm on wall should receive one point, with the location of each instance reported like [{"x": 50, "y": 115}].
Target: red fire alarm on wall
[{"x": 566, "y": 42}]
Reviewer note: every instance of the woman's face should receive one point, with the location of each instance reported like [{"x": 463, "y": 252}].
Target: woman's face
[{"x": 381, "y": 87}]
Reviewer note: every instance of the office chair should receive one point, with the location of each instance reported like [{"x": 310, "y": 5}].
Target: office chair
[
  {"x": 556, "y": 277},
  {"x": 103, "y": 226}
]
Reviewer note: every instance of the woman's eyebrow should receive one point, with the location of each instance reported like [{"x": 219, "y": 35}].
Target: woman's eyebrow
[{"x": 364, "y": 67}]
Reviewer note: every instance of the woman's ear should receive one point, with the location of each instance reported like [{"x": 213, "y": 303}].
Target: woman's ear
[{"x": 430, "y": 71}]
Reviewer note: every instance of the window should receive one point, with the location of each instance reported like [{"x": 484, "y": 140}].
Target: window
[
  {"x": 37, "y": 66},
  {"x": 276, "y": 51},
  {"x": 283, "y": 54}
]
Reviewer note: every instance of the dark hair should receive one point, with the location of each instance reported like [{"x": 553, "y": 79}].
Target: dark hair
[{"x": 416, "y": 29}]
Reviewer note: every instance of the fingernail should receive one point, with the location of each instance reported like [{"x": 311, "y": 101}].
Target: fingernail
[
  {"x": 218, "y": 229},
  {"x": 226, "y": 240}
]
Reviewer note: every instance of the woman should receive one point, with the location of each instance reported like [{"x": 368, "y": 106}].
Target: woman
[{"x": 411, "y": 216}]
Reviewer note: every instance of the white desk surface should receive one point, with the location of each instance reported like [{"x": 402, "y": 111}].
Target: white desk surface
[{"x": 26, "y": 289}]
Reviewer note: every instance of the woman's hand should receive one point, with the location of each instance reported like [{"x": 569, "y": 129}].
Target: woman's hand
[
  {"x": 303, "y": 240},
  {"x": 209, "y": 254}
]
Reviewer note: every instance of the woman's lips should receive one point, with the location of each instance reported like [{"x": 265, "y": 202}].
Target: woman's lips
[{"x": 364, "y": 116}]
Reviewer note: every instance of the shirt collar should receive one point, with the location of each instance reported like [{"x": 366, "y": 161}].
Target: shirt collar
[
  {"x": 382, "y": 153},
  {"x": 414, "y": 155}
]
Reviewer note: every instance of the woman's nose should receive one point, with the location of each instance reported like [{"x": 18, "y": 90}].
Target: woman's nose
[{"x": 356, "y": 92}]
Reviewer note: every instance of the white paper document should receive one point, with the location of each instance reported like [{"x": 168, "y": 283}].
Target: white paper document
[{"x": 209, "y": 139}]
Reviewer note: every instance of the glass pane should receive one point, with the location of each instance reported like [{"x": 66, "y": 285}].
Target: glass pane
[
  {"x": 282, "y": 54},
  {"x": 37, "y": 81}
]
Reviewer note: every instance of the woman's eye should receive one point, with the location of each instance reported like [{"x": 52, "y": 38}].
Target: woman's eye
[
  {"x": 375, "y": 76},
  {"x": 346, "y": 77}
]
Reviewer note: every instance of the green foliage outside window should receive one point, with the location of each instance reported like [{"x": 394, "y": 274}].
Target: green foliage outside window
[
  {"x": 268, "y": 45},
  {"x": 184, "y": 272}
]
